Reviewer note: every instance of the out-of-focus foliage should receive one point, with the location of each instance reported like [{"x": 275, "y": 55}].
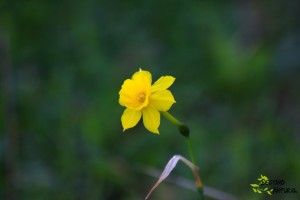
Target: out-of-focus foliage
[{"x": 237, "y": 69}]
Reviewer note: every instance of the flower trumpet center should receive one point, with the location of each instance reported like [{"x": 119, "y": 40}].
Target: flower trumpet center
[{"x": 141, "y": 97}]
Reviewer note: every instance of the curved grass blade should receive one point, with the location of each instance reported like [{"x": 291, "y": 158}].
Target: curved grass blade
[{"x": 170, "y": 166}]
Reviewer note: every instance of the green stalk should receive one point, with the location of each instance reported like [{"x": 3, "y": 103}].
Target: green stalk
[
  {"x": 171, "y": 118},
  {"x": 184, "y": 130},
  {"x": 189, "y": 145}
]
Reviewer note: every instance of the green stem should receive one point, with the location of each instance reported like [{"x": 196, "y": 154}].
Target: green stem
[
  {"x": 188, "y": 142},
  {"x": 198, "y": 183},
  {"x": 184, "y": 130},
  {"x": 171, "y": 118}
]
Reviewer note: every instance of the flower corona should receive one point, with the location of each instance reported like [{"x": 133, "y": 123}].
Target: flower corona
[{"x": 142, "y": 99}]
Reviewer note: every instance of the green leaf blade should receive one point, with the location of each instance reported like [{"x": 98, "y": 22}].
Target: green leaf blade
[{"x": 254, "y": 185}]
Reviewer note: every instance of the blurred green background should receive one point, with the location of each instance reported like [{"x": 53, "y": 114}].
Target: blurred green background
[{"x": 237, "y": 69}]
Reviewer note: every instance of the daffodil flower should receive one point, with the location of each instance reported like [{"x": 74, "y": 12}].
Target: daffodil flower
[{"x": 143, "y": 99}]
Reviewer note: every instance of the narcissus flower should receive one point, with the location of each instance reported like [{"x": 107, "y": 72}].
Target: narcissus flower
[{"x": 143, "y": 99}]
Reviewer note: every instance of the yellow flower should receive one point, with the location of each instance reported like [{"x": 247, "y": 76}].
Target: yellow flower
[{"x": 143, "y": 99}]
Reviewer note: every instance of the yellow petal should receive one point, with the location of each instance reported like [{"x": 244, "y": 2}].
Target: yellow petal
[
  {"x": 151, "y": 118},
  {"x": 162, "y": 100},
  {"x": 128, "y": 94},
  {"x": 143, "y": 79},
  {"x": 162, "y": 83},
  {"x": 130, "y": 118}
]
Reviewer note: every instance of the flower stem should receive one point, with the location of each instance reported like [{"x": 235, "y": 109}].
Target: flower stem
[
  {"x": 171, "y": 118},
  {"x": 184, "y": 130},
  {"x": 188, "y": 142}
]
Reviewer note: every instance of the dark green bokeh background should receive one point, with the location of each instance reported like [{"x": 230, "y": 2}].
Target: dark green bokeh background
[{"x": 237, "y": 69}]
